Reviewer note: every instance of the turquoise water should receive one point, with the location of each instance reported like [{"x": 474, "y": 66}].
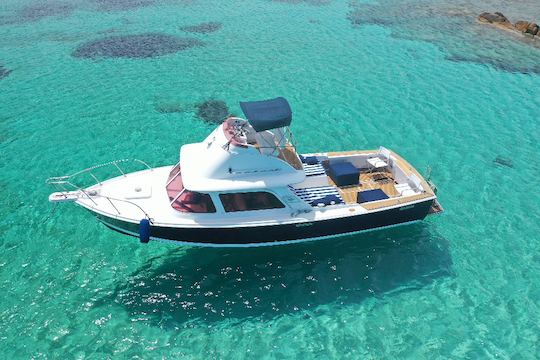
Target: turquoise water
[{"x": 419, "y": 77}]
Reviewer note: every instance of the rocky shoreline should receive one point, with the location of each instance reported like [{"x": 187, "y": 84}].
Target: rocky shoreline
[{"x": 497, "y": 19}]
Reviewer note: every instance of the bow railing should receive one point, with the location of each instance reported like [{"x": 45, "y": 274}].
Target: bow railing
[{"x": 69, "y": 189}]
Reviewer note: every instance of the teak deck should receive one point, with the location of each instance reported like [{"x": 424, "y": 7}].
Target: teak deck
[
  {"x": 288, "y": 154},
  {"x": 366, "y": 182}
]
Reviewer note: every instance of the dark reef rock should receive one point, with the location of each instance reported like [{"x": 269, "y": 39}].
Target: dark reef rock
[
  {"x": 135, "y": 46},
  {"x": 38, "y": 11},
  {"x": 499, "y": 160},
  {"x": 214, "y": 111},
  {"x": 502, "y": 64},
  {"x": 203, "y": 28},
  {"x": 120, "y": 5},
  {"x": 4, "y": 72}
]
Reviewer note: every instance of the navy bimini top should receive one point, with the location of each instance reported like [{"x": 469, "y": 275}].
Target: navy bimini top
[{"x": 267, "y": 114}]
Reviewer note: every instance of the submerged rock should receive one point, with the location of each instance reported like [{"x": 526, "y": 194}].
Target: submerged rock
[
  {"x": 38, "y": 11},
  {"x": 168, "y": 107},
  {"x": 4, "y": 72},
  {"x": 214, "y": 111},
  {"x": 203, "y": 28},
  {"x": 499, "y": 160},
  {"x": 135, "y": 46},
  {"x": 119, "y": 5}
]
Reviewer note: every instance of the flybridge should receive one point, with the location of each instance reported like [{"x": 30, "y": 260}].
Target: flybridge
[{"x": 245, "y": 153}]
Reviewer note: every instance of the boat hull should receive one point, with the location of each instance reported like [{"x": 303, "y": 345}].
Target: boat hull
[{"x": 276, "y": 234}]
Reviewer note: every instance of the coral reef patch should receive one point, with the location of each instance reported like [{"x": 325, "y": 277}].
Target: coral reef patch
[
  {"x": 38, "y": 11},
  {"x": 134, "y": 46},
  {"x": 121, "y": 5},
  {"x": 168, "y": 107},
  {"x": 213, "y": 111},
  {"x": 203, "y": 28}
]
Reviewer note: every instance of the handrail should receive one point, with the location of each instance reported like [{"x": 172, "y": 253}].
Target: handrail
[
  {"x": 54, "y": 179},
  {"x": 64, "y": 184},
  {"x": 109, "y": 198}
]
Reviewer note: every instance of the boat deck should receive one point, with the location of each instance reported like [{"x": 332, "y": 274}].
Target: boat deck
[
  {"x": 382, "y": 180},
  {"x": 368, "y": 181}
]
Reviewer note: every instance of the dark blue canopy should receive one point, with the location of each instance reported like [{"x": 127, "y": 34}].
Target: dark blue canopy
[{"x": 267, "y": 114}]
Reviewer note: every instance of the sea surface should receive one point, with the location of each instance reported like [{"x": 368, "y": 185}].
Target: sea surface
[{"x": 87, "y": 82}]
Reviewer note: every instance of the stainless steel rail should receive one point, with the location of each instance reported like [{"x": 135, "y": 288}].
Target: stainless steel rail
[
  {"x": 110, "y": 199},
  {"x": 89, "y": 170},
  {"x": 66, "y": 184}
]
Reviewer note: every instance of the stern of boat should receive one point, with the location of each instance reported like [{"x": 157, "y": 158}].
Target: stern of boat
[{"x": 436, "y": 207}]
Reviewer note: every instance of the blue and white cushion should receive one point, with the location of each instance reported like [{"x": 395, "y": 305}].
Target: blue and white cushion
[{"x": 309, "y": 195}]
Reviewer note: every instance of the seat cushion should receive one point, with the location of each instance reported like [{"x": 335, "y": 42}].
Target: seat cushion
[
  {"x": 326, "y": 200},
  {"x": 344, "y": 173},
  {"x": 370, "y": 195},
  {"x": 377, "y": 162},
  {"x": 309, "y": 160}
]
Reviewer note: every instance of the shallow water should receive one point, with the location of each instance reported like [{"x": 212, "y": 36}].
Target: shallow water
[{"x": 432, "y": 85}]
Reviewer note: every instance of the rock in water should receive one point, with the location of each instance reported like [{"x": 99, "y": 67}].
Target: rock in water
[
  {"x": 526, "y": 27},
  {"x": 497, "y": 17},
  {"x": 499, "y": 20},
  {"x": 214, "y": 111},
  {"x": 499, "y": 160},
  {"x": 521, "y": 25},
  {"x": 532, "y": 29}
]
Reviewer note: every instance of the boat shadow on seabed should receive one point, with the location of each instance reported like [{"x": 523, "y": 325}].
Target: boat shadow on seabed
[{"x": 206, "y": 285}]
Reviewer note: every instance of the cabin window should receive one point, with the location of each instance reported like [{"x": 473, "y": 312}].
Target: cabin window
[
  {"x": 247, "y": 201},
  {"x": 184, "y": 200},
  {"x": 195, "y": 202}
]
